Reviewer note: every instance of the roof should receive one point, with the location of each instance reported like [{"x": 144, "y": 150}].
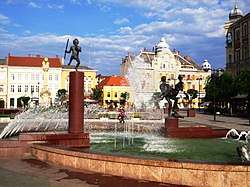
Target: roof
[
  {"x": 114, "y": 81},
  {"x": 33, "y": 61}
]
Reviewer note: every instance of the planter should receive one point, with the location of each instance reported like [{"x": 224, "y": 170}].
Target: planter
[{"x": 191, "y": 113}]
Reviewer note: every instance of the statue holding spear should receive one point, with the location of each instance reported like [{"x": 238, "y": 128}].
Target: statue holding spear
[{"x": 75, "y": 49}]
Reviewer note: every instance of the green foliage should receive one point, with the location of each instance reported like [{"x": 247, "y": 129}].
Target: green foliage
[
  {"x": 97, "y": 94},
  {"x": 226, "y": 86},
  {"x": 190, "y": 95},
  {"x": 61, "y": 94},
  {"x": 124, "y": 97},
  {"x": 25, "y": 100}
]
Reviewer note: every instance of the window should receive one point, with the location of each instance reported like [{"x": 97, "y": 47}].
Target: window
[
  {"x": 32, "y": 77},
  {"x": 108, "y": 94},
  {"x": 37, "y": 88},
  {"x": 116, "y": 94},
  {"x": 237, "y": 56},
  {"x": 32, "y": 88},
  {"x": 237, "y": 34},
  {"x": 89, "y": 79},
  {"x": 230, "y": 59},
  {"x": 12, "y": 88},
  {"x": 12, "y": 102},
  {"x": 50, "y": 77},
  {"x": 1, "y": 88},
  {"x": 26, "y": 88},
  {"x": 12, "y": 76},
  {"x": 56, "y": 77},
  {"x": 26, "y": 77},
  {"x": 19, "y": 76},
  {"x": 37, "y": 77},
  {"x": 245, "y": 30},
  {"x": 19, "y": 88}
]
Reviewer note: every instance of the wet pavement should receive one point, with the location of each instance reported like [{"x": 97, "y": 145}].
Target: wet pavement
[{"x": 31, "y": 172}]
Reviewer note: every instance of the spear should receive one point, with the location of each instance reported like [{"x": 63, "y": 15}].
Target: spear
[{"x": 66, "y": 48}]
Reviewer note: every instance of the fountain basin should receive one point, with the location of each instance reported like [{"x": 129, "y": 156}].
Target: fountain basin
[{"x": 145, "y": 168}]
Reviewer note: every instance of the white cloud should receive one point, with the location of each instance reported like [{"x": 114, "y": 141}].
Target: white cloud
[
  {"x": 77, "y": 2},
  {"x": 121, "y": 21},
  {"x": 33, "y": 4},
  {"x": 4, "y": 20}
]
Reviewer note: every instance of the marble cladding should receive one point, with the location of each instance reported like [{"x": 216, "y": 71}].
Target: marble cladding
[{"x": 171, "y": 172}]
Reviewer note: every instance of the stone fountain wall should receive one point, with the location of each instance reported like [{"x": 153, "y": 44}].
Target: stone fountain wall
[{"x": 164, "y": 171}]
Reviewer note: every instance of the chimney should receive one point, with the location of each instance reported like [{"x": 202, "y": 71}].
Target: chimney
[
  {"x": 38, "y": 56},
  {"x": 28, "y": 55},
  {"x": 56, "y": 56},
  {"x": 179, "y": 53},
  {"x": 187, "y": 57}
]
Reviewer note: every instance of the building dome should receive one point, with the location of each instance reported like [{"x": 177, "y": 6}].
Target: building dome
[
  {"x": 162, "y": 44},
  {"x": 206, "y": 66},
  {"x": 235, "y": 13}
]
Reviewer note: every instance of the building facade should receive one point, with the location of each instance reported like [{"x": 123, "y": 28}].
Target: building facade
[
  {"x": 90, "y": 80},
  {"x": 3, "y": 83},
  {"x": 161, "y": 61},
  {"x": 237, "y": 42},
  {"x": 25, "y": 76},
  {"x": 113, "y": 87}
]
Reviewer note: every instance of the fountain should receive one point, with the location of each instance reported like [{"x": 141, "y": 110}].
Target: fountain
[{"x": 65, "y": 149}]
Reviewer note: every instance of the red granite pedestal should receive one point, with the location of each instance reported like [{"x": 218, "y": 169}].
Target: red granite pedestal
[{"x": 173, "y": 130}]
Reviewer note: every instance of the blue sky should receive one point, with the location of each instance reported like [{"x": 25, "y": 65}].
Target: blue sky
[{"x": 109, "y": 29}]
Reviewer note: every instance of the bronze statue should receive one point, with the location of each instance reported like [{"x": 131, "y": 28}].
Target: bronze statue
[
  {"x": 75, "y": 49},
  {"x": 169, "y": 93}
]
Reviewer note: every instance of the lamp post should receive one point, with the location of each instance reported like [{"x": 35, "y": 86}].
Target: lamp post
[
  {"x": 199, "y": 79},
  {"x": 214, "y": 99},
  {"x": 38, "y": 93}
]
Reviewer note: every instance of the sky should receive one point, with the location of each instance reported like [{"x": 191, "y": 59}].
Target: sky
[{"x": 110, "y": 29}]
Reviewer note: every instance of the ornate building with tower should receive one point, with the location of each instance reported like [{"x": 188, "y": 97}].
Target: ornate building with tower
[
  {"x": 237, "y": 42},
  {"x": 161, "y": 61}
]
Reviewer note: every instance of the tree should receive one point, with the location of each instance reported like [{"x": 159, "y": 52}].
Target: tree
[
  {"x": 190, "y": 95},
  {"x": 61, "y": 94},
  {"x": 123, "y": 98},
  {"x": 220, "y": 87},
  {"x": 97, "y": 94},
  {"x": 25, "y": 100}
]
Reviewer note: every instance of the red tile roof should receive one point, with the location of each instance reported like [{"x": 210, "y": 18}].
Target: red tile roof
[
  {"x": 32, "y": 61},
  {"x": 114, "y": 81}
]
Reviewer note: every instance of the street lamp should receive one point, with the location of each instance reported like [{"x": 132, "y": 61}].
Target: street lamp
[
  {"x": 199, "y": 79},
  {"x": 38, "y": 93},
  {"x": 214, "y": 71}
]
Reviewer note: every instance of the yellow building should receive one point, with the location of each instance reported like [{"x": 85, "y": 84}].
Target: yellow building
[
  {"x": 90, "y": 80},
  {"x": 113, "y": 87}
]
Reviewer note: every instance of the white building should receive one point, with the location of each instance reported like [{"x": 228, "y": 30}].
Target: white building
[
  {"x": 3, "y": 83},
  {"x": 150, "y": 66},
  {"x": 26, "y": 78}
]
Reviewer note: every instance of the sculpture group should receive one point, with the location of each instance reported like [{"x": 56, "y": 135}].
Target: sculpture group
[{"x": 170, "y": 93}]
